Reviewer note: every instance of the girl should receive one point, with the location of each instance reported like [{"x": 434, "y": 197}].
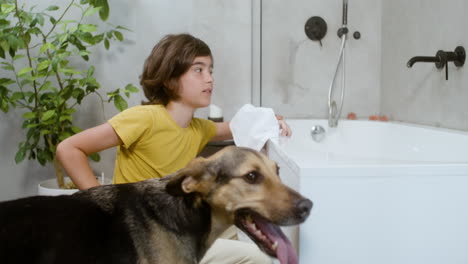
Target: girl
[{"x": 162, "y": 135}]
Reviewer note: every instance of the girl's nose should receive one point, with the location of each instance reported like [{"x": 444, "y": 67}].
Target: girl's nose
[{"x": 209, "y": 77}]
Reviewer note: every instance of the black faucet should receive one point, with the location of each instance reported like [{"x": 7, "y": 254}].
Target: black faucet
[
  {"x": 442, "y": 58},
  {"x": 421, "y": 59}
]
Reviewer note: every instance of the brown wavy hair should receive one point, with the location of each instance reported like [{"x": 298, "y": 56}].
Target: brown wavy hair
[{"x": 169, "y": 59}]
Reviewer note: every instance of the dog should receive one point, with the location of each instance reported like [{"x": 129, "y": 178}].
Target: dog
[{"x": 172, "y": 220}]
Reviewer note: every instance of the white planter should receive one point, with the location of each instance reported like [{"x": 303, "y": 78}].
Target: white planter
[{"x": 50, "y": 187}]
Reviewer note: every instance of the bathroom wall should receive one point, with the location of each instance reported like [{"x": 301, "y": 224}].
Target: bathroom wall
[
  {"x": 296, "y": 71},
  {"x": 223, "y": 24},
  {"x": 421, "y": 94}
]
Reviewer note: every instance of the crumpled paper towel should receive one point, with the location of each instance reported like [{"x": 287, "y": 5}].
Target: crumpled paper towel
[{"x": 253, "y": 126}]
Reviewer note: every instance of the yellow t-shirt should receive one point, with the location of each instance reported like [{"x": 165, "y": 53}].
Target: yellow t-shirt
[{"x": 153, "y": 144}]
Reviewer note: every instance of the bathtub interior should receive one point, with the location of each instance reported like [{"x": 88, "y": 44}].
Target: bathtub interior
[{"x": 374, "y": 143}]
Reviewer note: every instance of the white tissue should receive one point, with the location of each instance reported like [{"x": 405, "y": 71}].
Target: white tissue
[
  {"x": 253, "y": 126},
  {"x": 215, "y": 111}
]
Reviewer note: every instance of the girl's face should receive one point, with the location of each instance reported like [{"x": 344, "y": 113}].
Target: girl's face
[{"x": 196, "y": 84}]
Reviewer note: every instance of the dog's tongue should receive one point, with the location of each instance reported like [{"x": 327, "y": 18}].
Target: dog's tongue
[{"x": 284, "y": 252}]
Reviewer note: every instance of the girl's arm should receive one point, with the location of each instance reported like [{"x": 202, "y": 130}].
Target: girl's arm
[
  {"x": 223, "y": 132},
  {"x": 73, "y": 151}
]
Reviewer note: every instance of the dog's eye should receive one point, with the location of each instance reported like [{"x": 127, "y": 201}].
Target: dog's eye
[{"x": 252, "y": 177}]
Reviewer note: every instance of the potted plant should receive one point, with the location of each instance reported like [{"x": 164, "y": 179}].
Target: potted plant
[{"x": 38, "y": 49}]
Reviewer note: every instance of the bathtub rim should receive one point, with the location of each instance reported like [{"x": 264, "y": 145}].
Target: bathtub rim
[
  {"x": 365, "y": 167},
  {"x": 394, "y": 122},
  {"x": 323, "y": 157}
]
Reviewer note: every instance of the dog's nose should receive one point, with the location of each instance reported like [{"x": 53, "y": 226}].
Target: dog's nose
[{"x": 303, "y": 208}]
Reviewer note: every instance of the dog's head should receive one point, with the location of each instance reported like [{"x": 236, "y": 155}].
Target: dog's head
[{"x": 242, "y": 186}]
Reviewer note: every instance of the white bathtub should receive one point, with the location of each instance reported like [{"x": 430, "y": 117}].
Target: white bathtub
[{"x": 383, "y": 193}]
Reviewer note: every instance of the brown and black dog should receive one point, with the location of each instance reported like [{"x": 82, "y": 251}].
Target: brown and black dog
[{"x": 172, "y": 220}]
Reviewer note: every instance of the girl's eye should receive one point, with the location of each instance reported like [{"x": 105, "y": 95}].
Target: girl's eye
[{"x": 198, "y": 70}]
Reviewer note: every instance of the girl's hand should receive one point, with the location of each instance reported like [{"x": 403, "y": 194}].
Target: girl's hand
[{"x": 284, "y": 127}]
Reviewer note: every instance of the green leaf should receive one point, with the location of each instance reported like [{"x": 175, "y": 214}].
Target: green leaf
[
  {"x": 7, "y": 66},
  {"x": 64, "y": 135},
  {"x": 106, "y": 44},
  {"x": 79, "y": 94},
  {"x": 26, "y": 82},
  {"x": 4, "y": 106},
  {"x": 95, "y": 157},
  {"x": 16, "y": 96},
  {"x": 25, "y": 70},
  {"x": 88, "y": 38},
  {"x": 88, "y": 27},
  {"x": 5, "y": 45},
  {"x": 66, "y": 117},
  {"x": 12, "y": 52},
  {"x": 20, "y": 155},
  {"x": 90, "y": 71},
  {"x": 41, "y": 157},
  {"x": 4, "y": 23},
  {"x": 98, "y": 38},
  {"x": 40, "y": 19},
  {"x": 15, "y": 43},
  {"x": 32, "y": 125},
  {"x": 92, "y": 11},
  {"x": 47, "y": 115},
  {"x": 27, "y": 38},
  {"x": 120, "y": 103},
  {"x": 6, "y": 81},
  {"x": 69, "y": 111},
  {"x": 19, "y": 56},
  {"x": 76, "y": 129},
  {"x": 47, "y": 46},
  {"x": 131, "y": 88},
  {"x": 45, "y": 132},
  {"x": 84, "y": 53},
  {"x": 63, "y": 37},
  {"x": 104, "y": 12},
  {"x": 124, "y": 28},
  {"x": 29, "y": 115},
  {"x": 53, "y": 8},
  {"x": 118, "y": 35},
  {"x": 7, "y": 8},
  {"x": 68, "y": 71},
  {"x": 43, "y": 65},
  {"x": 33, "y": 23},
  {"x": 46, "y": 86}
]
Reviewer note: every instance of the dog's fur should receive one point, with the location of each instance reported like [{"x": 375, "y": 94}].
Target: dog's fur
[{"x": 170, "y": 220}]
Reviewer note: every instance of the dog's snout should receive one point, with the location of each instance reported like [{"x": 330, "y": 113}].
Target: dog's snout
[{"x": 303, "y": 208}]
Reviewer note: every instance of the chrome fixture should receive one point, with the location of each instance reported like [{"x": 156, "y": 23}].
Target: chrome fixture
[
  {"x": 442, "y": 58},
  {"x": 318, "y": 133},
  {"x": 334, "y": 111}
]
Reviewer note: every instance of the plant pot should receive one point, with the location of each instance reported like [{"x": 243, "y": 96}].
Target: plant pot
[{"x": 50, "y": 187}]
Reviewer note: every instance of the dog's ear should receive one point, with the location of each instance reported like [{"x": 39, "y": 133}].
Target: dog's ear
[{"x": 186, "y": 180}]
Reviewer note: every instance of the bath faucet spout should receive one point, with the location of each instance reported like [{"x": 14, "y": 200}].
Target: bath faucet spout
[{"x": 413, "y": 60}]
